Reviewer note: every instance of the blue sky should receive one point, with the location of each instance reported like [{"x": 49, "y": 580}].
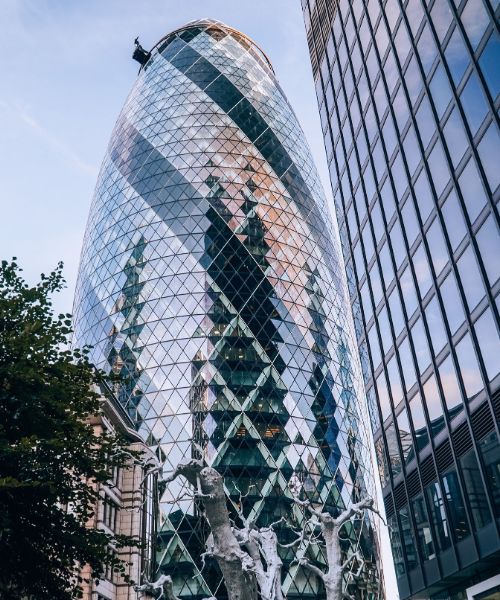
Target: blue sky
[{"x": 66, "y": 70}]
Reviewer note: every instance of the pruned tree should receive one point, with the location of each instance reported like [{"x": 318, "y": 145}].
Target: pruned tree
[
  {"x": 333, "y": 578},
  {"x": 237, "y": 566}
]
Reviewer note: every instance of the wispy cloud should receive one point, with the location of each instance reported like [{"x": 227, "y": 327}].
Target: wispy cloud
[{"x": 55, "y": 143}]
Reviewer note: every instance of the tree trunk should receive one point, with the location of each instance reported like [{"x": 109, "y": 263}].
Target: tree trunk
[{"x": 236, "y": 565}]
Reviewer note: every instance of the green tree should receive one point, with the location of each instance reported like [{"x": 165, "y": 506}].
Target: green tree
[{"x": 49, "y": 457}]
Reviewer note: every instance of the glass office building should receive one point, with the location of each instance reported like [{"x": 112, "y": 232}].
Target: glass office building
[
  {"x": 211, "y": 279},
  {"x": 408, "y": 92}
]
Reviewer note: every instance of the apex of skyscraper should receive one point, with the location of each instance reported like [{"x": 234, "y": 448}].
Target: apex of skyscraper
[{"x": 211, "y": 279}]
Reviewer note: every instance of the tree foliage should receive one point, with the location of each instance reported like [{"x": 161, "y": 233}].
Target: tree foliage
[{"x": 49, "y": 458}]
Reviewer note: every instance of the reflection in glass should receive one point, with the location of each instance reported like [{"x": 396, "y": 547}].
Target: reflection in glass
[
  {"x": 489, "y": 64},
  {"x": 456, "y": 140},
  {"x": 488, "y": 152},
  {"x": 457, "y": 56},
  {"x": 488, "y": 241},
  {"x": 437, "y": 246},
  {"x": 490, "y": 453},
  {"x": 472, "y": 190},
  {"x": 422, "y": 270},
  {"x": 486, "y": 329},
  {"x": 434, "y": 406},
  {"x": 451, "y": 389},
  {"x": 438, "y": 515},
  {"x": 454, "y": 220},
  {"x": 419, "y": 422},
  {"x": 408, "y": 538},
  {"x": 420, "y": 345},
  {"x": 393, "y": 450},
  {"x": 455, "y": 503},
  {"x": 452, "y": 302},
  {"x": 470, "y": 277},
  {"x": 405, "y": 437},
  {"x": 474, "y": 103},
  {"x": 396, "y": 546},
  {"x": 475, "y": 20},
  {"x": 383, "y": 467},
  {"x": 474, "y": 490},
  {"x": 435, "y": 323},
  {"x": 407, "y": 365},
  {"x": 469, "y": 368},
  {"x": 424, "y": 534},
  {"x": 425, "y": 202}
]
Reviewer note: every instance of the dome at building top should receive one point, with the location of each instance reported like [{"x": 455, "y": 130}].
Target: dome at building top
[{"x": 216, "y": 28}]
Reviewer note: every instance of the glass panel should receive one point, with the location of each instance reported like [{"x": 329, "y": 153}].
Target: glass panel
[
  {"x": 427, "y": 49},
  {"x": 425, "y": 121},
  {"x": 457, "y": 56},
  {"x": 489, "y": 149},
  {"x": 420, "y": 345},
  {"x": 398, "y": 245},
  {"x": 383, "y": 396},
  {"x": 471, "y": 278},
  {"x": 407, "y": 365},
  {"x": 388, "y": 201},
  {"x": 415, "y": 14},
  {"x": 469, "y": 368},
  {"x": 441, "y": 17},
  {"x": 488, "y": 241},
  {"x": 473, "y": 103},
  {"x": 452, "y": 303},
  {"x": 451, "y": 389},
  {"x": 475, "y": 20},
  {"x": 373, "y": 409},
  {"x": 383, "y": 467},
  {"x": 434, "y": 407},
  {"x": 486, "y": 329},
  {"x": 408, "y": 538},
  {"x": 456, "y": 506},
  {"x": 456, "y": 139},
  {"x": 489, "y": 64},
  {"x": 435, "y": 323},
  {"x": 396, "y": 311},
  {"x": 396, "y": 546},
  {"x": 378, "y": 224},
  {"x": 374, "y": 347},
  {"x": 386, "y": 264},
  {"x": 425, "y": 202},
  {"x": 437, "y": 246},
  {"x": 424, "y": 535},
  {"x": 474, "y": 489},
  {"x": 405, "y": 437},
  {"x": 393, "y": 450},
  {"x": 410, "y": 221},
  {"x": 440, "y": 90},
  {"x": 438, "y": 515},
  {"x": 366, "y": 302},
  {"x": 411, "y": 150},
  {"x": 439, "y": 168},
  {"x": 472, "y": 190},
  {"x": 419, "y": 423},
  {"x": 490, "y": 453},
  {"x": 454, "y": 220},
  {"x": 408, "y": 291},
  {"x": 395, "y": 381},
  {"x": 385, "y": 331},
  {"x": 422, "y": 270}
]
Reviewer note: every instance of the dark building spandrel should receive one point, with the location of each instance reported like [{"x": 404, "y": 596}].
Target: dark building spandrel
[
  {"x": 210, "y": 278},
  {"x": 408, "y": 93}
]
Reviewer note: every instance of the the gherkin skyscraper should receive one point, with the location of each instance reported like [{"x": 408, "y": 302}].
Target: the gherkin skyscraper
[{"x": 211, "y": 278}]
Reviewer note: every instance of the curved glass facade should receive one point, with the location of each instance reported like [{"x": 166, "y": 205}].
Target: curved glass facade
[
  {"x": 210, "y": 278},
  {"x": 409, "y": 92}
]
